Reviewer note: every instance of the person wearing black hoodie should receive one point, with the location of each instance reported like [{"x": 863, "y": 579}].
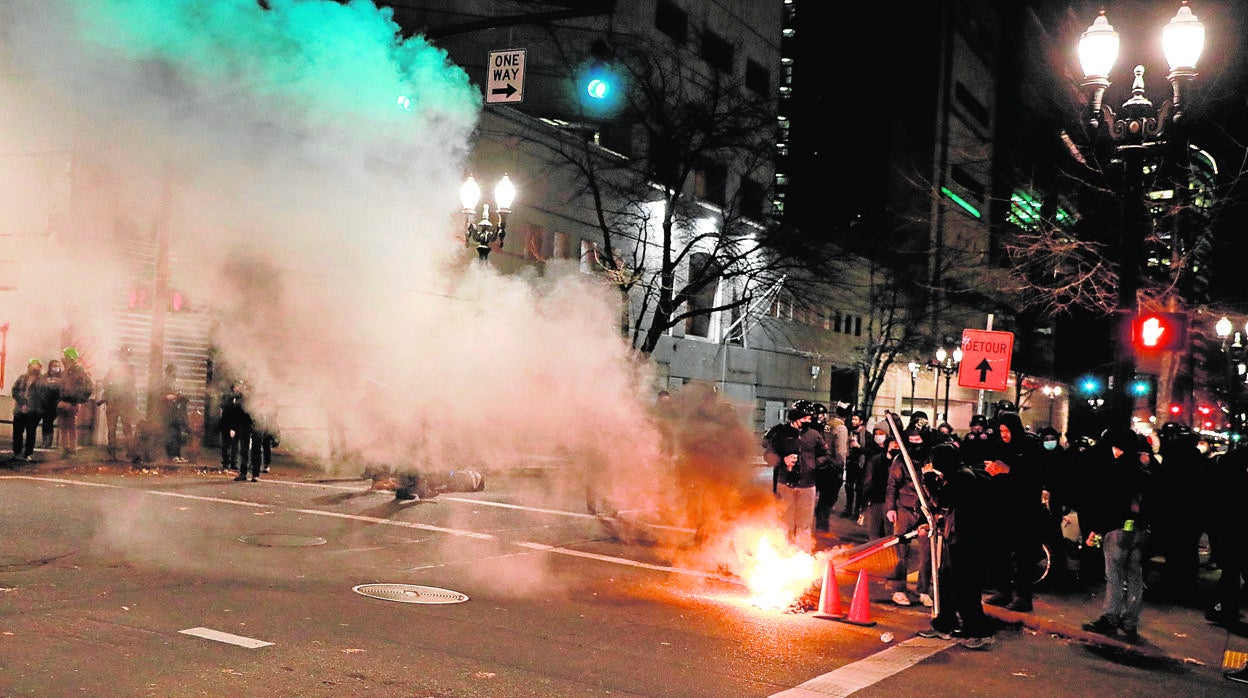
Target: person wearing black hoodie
[{"x": 1016, "y": 488}]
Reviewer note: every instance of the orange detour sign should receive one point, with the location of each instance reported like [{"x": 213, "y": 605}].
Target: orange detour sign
[{"x": 985, "y": 359}]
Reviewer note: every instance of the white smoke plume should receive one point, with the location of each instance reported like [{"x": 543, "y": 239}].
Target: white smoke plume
[{"x": 317, "y": 218}]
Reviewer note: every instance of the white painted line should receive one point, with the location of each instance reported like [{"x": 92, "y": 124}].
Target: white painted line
[
  {"x": 401, "y": 524},
  {"x": 228, "y": 638},
  {"x": 868, "y": 672},
  {"x": 624, "y": 561}
]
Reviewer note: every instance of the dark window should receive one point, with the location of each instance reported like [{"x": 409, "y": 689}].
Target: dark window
[
  {"x": 703, "y": 276},
  {"x": 711, "y": 183},
  {"x": 836, "y": 322},
  {"x": 671, "y": 20},
  {"x": 967, "y": 182},
  {"x": 717, "y": 51},
  {"x": 757, "y": 78},
  {"x": 972, "y": 106},
  {"x": 752, "y": 196},
  {"x": 857, "y": 325}
]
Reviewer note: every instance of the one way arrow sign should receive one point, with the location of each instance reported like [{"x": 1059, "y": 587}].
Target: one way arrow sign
[
  {"x": 985, "y": 359},
  {"x": 505, "y": 76}
]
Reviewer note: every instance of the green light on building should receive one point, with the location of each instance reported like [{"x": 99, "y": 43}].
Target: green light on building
[{"x": 961, "y": 202}]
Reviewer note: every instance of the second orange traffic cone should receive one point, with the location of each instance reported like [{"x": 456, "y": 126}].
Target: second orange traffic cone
[
  {"x": 860, "y": 607},
  {"x": 830, "y": 595}
]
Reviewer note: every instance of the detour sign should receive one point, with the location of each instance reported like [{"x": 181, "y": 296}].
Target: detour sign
[{"x": 985, "y": 359}]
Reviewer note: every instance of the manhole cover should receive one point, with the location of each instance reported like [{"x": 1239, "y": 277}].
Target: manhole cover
[
  {"x": 410, "y": 593},
  {"x": 282, "y": 540}
]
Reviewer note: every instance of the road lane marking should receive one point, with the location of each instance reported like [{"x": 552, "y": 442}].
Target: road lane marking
[
  {"x": 228, "y": 638},
  {"x": 624, "y": 561},
  {"x": 869, "y": 671},
  {"x": 405, "y": 524}
]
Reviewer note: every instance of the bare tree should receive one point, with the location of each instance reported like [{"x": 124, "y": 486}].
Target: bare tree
[{"x": 678, "y": 182}]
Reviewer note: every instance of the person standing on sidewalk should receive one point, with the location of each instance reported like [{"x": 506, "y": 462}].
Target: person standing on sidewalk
[
  {"x": 76, "y": 389},
  {"x": 27, "y": 410},
  {"x": 1115, "y": 521},
  {"x": 50, "y": 395}
]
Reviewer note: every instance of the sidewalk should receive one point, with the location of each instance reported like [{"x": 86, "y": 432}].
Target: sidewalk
[{"x": 1169, "y": 634}]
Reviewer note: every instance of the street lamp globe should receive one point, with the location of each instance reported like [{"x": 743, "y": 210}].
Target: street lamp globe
[
  {"x": 1098, "y": 49},
  {"x": 504, "y": 194},
  {"x": 1182, "y": 40},
  {"x": 1223, "y": 328},
  {"x": 469, "y": 194},
  {"x": 941, "y": 355},
  {"x": 957, "y": 355}
]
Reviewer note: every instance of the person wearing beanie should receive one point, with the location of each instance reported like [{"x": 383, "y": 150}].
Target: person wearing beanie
[
  {"x": 794, "y": 451},
  {"x": 879, "y": 454}
]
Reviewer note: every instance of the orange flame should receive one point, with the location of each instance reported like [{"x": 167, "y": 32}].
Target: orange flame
[{"x": 776, "y": 573}]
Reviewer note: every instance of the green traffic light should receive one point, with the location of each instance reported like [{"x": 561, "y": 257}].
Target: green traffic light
[{"x": 597, "y": 88}]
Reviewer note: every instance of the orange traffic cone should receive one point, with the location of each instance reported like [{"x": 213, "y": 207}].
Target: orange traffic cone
[
  {"x": 860, "y": 607},
  {"x": 830, "y": 595}
]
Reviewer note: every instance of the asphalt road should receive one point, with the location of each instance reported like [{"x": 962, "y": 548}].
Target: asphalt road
[{"x": 103, "y": 575}]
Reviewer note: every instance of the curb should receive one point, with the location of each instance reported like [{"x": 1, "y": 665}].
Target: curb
[{"x": 1065, "y": 630}]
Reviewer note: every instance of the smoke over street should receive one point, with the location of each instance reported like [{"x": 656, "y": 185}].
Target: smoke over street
[{"x": 302, "y": 161}]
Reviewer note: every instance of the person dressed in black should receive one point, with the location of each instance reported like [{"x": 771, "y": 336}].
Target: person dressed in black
[
  {"x": 901, "y": 508},
  {"x": 977, "y": 442},
  {"x": 235, "y": 428},
  {"x": 830, "y": 464},
  {"x": 1016, "y": 491},
  {"x": 1179, "y": 489},
  {"x": 27, "y": 410},
  {"x": 961, "y": 496},
  {"x": 859, "y": 438},
  {"x": 879, "y": 455},
  {"x": 1058, "y": 477},
  {"x": 1229, "y": 544}
]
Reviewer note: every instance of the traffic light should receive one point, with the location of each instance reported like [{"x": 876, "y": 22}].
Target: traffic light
[
  {"x": 1141, "y": 386},
  {"x": 1158, "y": 332},
  {"x": 1091, "y": 385},
  {"x": 599, "y": 83},
  {"x": 1176, "y": 410}
]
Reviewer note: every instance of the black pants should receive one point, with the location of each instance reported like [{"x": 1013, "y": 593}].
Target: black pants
[
  {"x": 24, "y": 433},
  {"x": 827, "y": 490},
  {"x": 961, "y": 581},
  {"x": 235, "y": 444}
]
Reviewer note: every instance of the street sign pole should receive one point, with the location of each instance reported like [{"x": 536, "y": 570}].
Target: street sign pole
[{"x": 982, "y": 404}]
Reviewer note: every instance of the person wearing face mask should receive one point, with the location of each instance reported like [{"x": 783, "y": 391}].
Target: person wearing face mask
[
  {"x": 901, "y": 508},
  {"x": 51, "y": 396},
  {"x": 975, "y": 444},
  {"x": 1057, "y": 472},
  {"x": 878, "y": 454},
  {"x": 1016, "y": 489}
]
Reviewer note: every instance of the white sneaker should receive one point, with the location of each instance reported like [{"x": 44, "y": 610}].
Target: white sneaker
[
  {"x": 926, "y": 600},
  {"x": 900, "y": 598}
]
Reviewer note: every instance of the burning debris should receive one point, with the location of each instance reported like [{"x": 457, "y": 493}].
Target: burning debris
[{"x": 410, "y": 484}]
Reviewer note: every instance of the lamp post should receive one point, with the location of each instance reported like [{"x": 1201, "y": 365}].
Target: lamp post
[
  {"x": 1052, "y": 392},
  {"x": 1139, "y": 132},
  {"x": 485, "y": 231},
  {"x": 947, "y": 364},
  {"x": 1233, "y": 351},
  {"x": 914, "y": 377}
]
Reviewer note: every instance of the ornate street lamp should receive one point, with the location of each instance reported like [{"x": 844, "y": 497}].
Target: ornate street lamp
[
  {"x": 947, "y": 364},
  {"x": 1138, "y": 132},
  {"x": 1052, "y": 392},
  {"x": 485, "y": 231},
  {"x": 914, "y": 377},
  {"x": 1233, "y": 354}
]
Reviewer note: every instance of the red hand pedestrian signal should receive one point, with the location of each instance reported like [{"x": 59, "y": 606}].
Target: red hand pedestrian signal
[{"x": 1155, "y": 332}]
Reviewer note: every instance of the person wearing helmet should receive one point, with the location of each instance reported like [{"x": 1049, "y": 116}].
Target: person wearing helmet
[
  {"x": 975, "y": 444},
  {"x": 793, "y": 450},
  {"x": 76, "y": 389}
]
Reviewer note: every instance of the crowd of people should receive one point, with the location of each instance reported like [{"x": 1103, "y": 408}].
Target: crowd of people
[
  {"x": 173, "y": 427},
  {"x": 49, "y": 401},
  {"x": 1001, "y": 496}
]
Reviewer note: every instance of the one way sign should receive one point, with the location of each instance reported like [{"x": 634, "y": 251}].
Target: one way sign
[
  {"x": 985, "y": 359},
  {"x": 505, "y": 76}
]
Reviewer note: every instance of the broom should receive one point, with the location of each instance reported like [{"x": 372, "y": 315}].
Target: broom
[{"x": 878, "y": 557}]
